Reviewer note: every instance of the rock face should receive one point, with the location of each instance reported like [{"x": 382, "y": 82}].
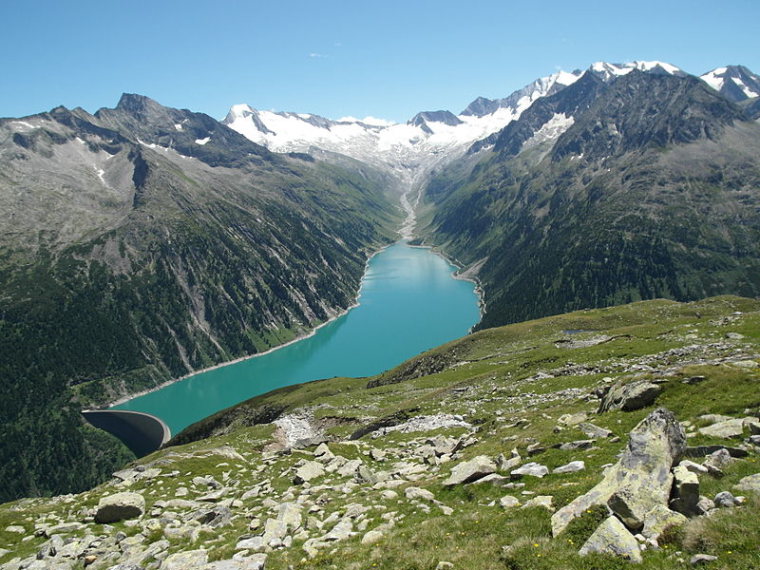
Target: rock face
[
  {"x": 640, "y": 480},
  {"x": 629, "y": 397},
  {"x": 613, "y": 538},
  {"x": 119, "y": 507}
]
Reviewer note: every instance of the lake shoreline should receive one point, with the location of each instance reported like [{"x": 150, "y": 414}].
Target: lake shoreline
[{"x": 298, "y": 338}]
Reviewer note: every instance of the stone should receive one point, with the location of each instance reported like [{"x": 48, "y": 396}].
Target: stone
[
  {"x": 749, "y": 483},
  {"x": 509, "y": 502},
  {"x": 641, "y": 479},
  {"x": 253, "y": 562},
  {"x": 717, "y": 461},
  {"x": 695, "y": 468},
  {"x": 699, "y": 559},
  {"x": 493, "y": 479},
  {"x": 725, "y": 499},
  {"x": 593, "y": 431},
  {"x": 214, "y": 496},
  {"x": 252, "y": 543},
  {"x": 530, "y": 469},
  {"x": 570, "y": 420},
  {"x": 659, "y": 519},
  {"x": 630, "y": 396},
  {"x": 611, "y": 537},
  {"x": 685, "y": 492},
  {"x": 388, "y": 495},
  {"x": 290, "y": 515},
  {"x": 413, "y": 493},
  {"x": 580, "y": 444},
  {"x": 372, "y": 537},
  {"x": 365, "y": 475},
  {"x": 572, "y": 467},
  {"x": 308, "y": 471},
  {"x": 215, "y": 517},
  {"x": 471, "y": 470},
  {"x": 119, "y": 507},
  {"x": 705, "y": 504},
  {"x": 507, "y": 465},
  {"x": 444, "y": 565},
  {"x": 185, "y": 560},
  {"x": 341, "y": 531},
  {"x": 726, "y": 430},
  {"x": 544, "y": 501},
  {"x": 746, "y": 364},
  {"x": 443, "y": 445}
]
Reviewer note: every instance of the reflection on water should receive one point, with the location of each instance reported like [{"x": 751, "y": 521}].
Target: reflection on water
[{"x": 409, "y": 303}]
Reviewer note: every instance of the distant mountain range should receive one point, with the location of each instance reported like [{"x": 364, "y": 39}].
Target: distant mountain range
[{"x": 143, "y": 242}]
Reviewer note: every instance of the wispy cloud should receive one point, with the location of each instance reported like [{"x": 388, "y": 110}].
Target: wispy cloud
[{"x": 315, "y": 55}]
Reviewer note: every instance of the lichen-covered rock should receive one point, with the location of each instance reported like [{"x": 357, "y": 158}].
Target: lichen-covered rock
[
  {"x": 471, "y": 470},
  {"x": 185, "y": 560},
  {"x": 659, "y": 519},
  {"x": 641, "y": 479},
  {"x": 630, "y": 396},
  {"x": 119, "y": 507},
  {"x": 308, "y": 471},
  {"x": 728, "y": 429},
  {"x": 612, "y": 538},
  {"x": 685, "y": 492},
  {"x": 531, "y": 470},
  {"x": 749, "y": 483}
]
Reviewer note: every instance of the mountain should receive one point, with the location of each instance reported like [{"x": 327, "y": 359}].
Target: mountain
[
  {"x": 614, "y": 189},
  {"x": 735, "y": 82},
  {"x": 142, "y": 243},
  {"x": 473, "y": 454}
]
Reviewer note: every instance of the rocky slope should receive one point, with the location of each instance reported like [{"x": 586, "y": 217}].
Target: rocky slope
[
  {"x": 605, "y": 192},
  {"x": 570, "y": 442},
  {"x": 144, "y": 242}
]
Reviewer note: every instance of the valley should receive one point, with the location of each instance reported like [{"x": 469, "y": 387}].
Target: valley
[{"x": 610, "y": 219}]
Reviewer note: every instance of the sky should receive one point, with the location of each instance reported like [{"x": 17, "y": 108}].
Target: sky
[{"x": 335, "y": 58}]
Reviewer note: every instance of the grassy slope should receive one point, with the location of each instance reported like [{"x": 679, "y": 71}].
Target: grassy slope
[{"x": 491, "y": 379}]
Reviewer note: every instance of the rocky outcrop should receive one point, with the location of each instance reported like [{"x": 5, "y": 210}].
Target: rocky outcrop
[
  {"x": 640, "y": 480},
  {"x": 119, "y": 507},
  {"x": 630, "y": 396}
]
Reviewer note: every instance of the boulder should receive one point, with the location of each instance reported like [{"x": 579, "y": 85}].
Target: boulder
[
  {"x": 725, "y": 500},
  {"x": 308, "y": 471},
  {"x": 629, "y": 397},
  {"x": 372, "y": 537},
  {"x": 530, "y": 469},
  {"x": 641, "y": 478},
  {"x": 572, "y": 467},
  {"x": 749, "y": 483},
  {"x": 544, "y": 501},
  {"x": 594, "y": 432},
  {"x": 659, "y": 519},
  {"x": 185, "y": 560},
  {"x": 509, "y": 502},
  {"x": 119, "y": 507},
  {"x": 685, "y": 492},
  {"x": 612, "y": 538},
  {"x": 726, "y": 430},
  {"x": 413, "y": 493},
  {"x": 471, "y": 470}
]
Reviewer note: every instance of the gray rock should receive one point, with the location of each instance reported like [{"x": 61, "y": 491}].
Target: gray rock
[
  {"x": 699, "y": 559},
  {"x": 727, "y": 429},
  {"x": 749, "y": 483},
  {"x": 253, "y": 562},
  {"x": 119, "y": 507},
  {"x": 659, "y": 519},
  {"x": 185, "y": 560},
  {"x": 629, "y": 397},
  {"x": 372, "y": 537},
  {"x": 725, "y": 499},
  {"x": 214, "y": 517},
  {"x": 252, "y": 543},
  {"x": 341, "y": 531},
  {"x": 509, "y": 502},
  {"x": 572, "y": 419},
  {"x": 530, "y": 469},
  {"x": 641, "y": 479},
  {"x": 612, "y": 538},
  {"x": 705, "y": 504},
  {"x": 413, "y": 493},
  {"x": 543, "y": 501},
  {"x": 593, "y": 431},
  {"x": 471, "y": 470},
  {"x": 572, "y": 467},
  {"x": 685, "y": 492},
  {"x": 308, "y": 471},
  {"x": 493, "y": 479}
]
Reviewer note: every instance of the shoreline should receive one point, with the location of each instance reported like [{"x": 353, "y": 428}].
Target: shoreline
[{"x": 298, "y": 338}]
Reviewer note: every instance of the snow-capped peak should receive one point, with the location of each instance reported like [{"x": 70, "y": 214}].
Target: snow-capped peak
[
  {"x": 611, "y": 70},
  {"x": 735, "y": 82}
]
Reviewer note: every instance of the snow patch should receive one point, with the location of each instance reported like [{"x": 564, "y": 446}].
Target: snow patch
[
  {"x": 714, "y": 78},
  {"x": 178, "y": 126},
  {"x": 550, "y": 130},
  {"x": 23, "y": 126},
  {"x": 202, "y": 141}
]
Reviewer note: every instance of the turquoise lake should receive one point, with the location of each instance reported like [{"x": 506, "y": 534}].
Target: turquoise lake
[{"x": 409, "y": 302}]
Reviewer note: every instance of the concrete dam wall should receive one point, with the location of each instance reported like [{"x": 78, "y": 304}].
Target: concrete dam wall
[{"x": 142, "y": 433}]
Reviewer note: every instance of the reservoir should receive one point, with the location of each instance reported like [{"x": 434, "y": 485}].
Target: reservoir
[{"x": 409, "y": 302}]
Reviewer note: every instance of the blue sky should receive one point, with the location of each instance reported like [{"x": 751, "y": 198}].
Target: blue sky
[{"x": 387, "y": 59}]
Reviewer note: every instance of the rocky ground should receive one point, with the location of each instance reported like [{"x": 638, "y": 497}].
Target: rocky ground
[{"x": 569, "y": 442}]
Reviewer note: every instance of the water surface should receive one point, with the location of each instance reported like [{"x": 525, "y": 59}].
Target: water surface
[{"x": 409, "y": 302}]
